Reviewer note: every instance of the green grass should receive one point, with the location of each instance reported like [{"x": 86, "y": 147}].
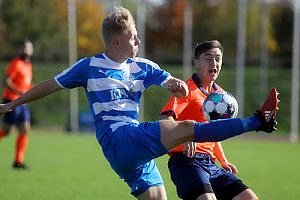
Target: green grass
[{"x": 72, "y": 166}]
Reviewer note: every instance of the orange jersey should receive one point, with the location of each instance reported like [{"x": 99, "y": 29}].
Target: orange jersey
[
  {"x": 20, "y": 73},
  {"x": 190, "y": 107}
]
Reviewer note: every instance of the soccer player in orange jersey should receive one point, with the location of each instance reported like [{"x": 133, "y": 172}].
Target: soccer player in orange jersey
[
  {"x": 192, "y": 165},
  {"x": 17, "y": 80}
]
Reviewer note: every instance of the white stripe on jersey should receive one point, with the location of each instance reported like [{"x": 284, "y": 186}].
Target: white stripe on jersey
[
  {"x": 120, "y": 118},
  {"x": 121, "y": 121},
  {"x": 109, "y": 83},
  {"x": 115, "y": 92},
  {"x": 119, "y": 105},
  {"x": 55, "y": 78},
  {"x": 100, "y": 62},
  {"x": 114, "y": 126},
  {"x": 166, "y": 80}
]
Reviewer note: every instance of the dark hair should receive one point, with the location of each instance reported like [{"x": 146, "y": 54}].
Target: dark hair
[
  {"x": 20, "y": 45},
  {"x": 205, "y": 46}
]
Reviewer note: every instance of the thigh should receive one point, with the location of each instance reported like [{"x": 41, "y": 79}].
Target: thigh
[
  {"x": 142, "y": 178},
  {"x": 10, "y": 118},
  {"x": 132, "y": 146},
  {"x": 174, "y": 133},
  {"x": 190, "y": 175},
  {"x": 234, "y": 190},
  {"x": 220, "y": 178},
  {"x": 22, "y": 114},
  {"x": 22, "y": 118},
  {"x": 130, "y": 150}
]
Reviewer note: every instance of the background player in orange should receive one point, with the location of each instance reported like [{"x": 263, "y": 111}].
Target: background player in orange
[
  {"x": 192, "y": 165},
  {"x": 17, "y": 80}
]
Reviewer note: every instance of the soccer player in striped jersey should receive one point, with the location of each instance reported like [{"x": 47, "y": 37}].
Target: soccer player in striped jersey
[
  {"x": 114, "y": 82},
  {"x": 192, "y": 165},
  {"x": 17, "y": 80}
]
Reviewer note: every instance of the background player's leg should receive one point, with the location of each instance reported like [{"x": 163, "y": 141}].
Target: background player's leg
[
  {"x": 5, "y": 130},
  {"x": 21, "y": 142}
]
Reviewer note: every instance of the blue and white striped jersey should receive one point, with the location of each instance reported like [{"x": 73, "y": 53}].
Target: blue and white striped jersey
[{"x": 113, "y": 89}]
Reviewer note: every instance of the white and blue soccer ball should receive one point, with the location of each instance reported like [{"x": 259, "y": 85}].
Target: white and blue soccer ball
[{"x": 220, "y": 105}]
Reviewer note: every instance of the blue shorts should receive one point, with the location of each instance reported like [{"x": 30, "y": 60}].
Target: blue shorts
[
  {"x": 130, "y": 151},
  {"x": 18, "y": 115},
  {"x": 198, "y": 173}
]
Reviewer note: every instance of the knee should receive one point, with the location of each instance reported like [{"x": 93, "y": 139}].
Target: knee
[
  {"x": 186, "y": 123},
  {"x": 174, "y": 133}
]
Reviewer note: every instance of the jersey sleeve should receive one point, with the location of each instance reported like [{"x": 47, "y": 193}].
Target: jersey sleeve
[
  {"x": 175, "y": 106},
  {"x": 74, "y": 76},
  {"x": 154, "y": 74}
]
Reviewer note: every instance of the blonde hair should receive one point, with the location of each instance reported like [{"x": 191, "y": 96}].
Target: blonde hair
[{"x": 118, "y": 21}]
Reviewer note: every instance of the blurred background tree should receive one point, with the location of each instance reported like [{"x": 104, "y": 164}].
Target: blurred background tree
[
  {"x": 45, "y": 22},
  {"x": 217, "y": 19},
  {"x": 89, "y": 18}
]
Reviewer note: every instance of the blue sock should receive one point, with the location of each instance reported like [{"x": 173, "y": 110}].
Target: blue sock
[{"x": 220, "y": 130}]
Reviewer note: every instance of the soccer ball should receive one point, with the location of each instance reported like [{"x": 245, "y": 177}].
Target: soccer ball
[{"x": 220, "y": 105}]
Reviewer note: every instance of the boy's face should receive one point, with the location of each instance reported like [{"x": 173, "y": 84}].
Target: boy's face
[
  {"x": 128, "y": 43},
  {"x": 209, "y": 65}
]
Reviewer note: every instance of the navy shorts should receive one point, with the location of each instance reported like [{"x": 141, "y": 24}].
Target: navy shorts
[
  {"x": 18, "y": 115},
  {"x": 199, "y": 175},
  {"x": 130, "y": 150}
]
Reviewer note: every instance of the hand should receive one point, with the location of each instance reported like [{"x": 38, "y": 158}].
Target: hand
[
  {"x": 229, "y": 167},
  {"x": 189, "y": 149},
  {"x": 4, "y": 108},
  {"x": 178, "y": 89}
]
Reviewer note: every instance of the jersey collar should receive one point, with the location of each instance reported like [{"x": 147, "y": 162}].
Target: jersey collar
[{"x": 197, "y": 81}]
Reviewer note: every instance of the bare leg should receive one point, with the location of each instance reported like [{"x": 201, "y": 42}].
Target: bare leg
[
  {"x": 247, "y": 194},
  {"x": 174, "y": 133},
  {"x": 207, "y": 196},
  {"x": 154, "y": 193}
]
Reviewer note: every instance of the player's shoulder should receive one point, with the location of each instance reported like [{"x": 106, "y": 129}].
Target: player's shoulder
[
  {"x": 16, "y": 64},
  {"x": 84, "y": 61},
  {"x": 144, "y": 61},
  {"x": 16, "y": 60},
  {"x": 191, "y": 84}
]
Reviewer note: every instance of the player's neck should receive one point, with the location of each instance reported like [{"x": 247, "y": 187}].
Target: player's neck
[
  {"x": 114, "y": 57},
  {"x": 205, "y": 87},
  {"x": 208, "y": 87},
  {"x": 25, "y": 58}
]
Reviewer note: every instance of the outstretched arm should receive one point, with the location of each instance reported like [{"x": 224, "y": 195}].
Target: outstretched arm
[
  {"x": 177, "y": 87},
  {"x": 40, "y": 90}
]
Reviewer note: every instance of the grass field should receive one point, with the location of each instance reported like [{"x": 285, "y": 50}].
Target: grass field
[{"x": 72, "y": 166}]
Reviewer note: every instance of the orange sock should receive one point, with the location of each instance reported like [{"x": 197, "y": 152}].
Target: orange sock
[
  {"x": 2, "y": 134},
  {"x": 21, "y": 145}
]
